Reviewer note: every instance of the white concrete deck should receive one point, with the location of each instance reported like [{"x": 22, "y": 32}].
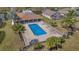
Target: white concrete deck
[{"x": 50, "y": 31}]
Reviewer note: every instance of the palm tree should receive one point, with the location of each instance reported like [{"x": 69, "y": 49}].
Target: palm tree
[
  {"x": 53, "y": 42},
  {"x": 19, "y": 27},
  {"x": 69, "y": 20}
]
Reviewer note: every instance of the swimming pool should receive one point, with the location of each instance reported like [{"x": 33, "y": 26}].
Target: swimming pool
[{"x": 36, "y": 29}]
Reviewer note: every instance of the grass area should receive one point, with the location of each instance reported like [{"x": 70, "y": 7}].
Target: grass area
[
  {"x": 12, "y": 41},
  {"x": 71, "y": 44}
]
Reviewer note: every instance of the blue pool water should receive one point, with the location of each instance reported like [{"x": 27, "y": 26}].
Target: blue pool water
[{"x": 36, "y": 29}]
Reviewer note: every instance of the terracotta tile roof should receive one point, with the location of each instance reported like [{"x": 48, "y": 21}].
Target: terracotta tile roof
[{"x": 27, "y": 16}]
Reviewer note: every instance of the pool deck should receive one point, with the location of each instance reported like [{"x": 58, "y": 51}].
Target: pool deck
[{"x": 50, "y": 31}]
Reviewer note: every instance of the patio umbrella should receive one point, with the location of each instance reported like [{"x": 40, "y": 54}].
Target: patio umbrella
[{"x": 34, "y": 41}]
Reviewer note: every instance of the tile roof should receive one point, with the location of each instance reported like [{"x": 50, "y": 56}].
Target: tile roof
[{"x": 27, "y": 16}]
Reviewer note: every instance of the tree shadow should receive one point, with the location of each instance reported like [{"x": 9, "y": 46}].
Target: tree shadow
[
  {"x": 3, "y": 25},
  {"x": 55, "y": 48},
  {"x": 2, "y": 36}
]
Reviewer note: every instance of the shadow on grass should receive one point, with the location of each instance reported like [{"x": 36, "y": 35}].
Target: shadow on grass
[
  {"x": 3, "y": 25},
  {"x": 55, "y": 48},
  {"x": 2, "y": 36}
]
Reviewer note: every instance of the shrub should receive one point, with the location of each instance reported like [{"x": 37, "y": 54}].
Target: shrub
[
  {"x": 18, "y": 27},
  {"x": 38, "y": 46}
]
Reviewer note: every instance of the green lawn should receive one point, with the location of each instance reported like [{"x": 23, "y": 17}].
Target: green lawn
[{"x": 11, "y": 41}]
